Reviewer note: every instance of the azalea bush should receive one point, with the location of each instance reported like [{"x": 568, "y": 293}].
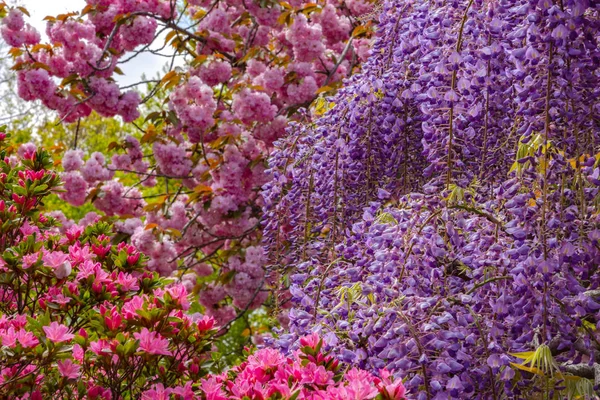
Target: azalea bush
[
  {"x": 441, "y": 219},
  {"x": 310, "y": 373},
  {"x": 81, "y": 317}
]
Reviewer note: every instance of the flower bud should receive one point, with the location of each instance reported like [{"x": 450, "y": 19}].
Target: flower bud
[{"x": 63, "y": 270}]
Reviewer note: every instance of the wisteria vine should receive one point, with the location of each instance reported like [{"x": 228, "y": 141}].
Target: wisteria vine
[{"x": 441, "y": 219}]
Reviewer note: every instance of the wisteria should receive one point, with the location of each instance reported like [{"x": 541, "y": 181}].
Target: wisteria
[{"x": 440, "y": 219}]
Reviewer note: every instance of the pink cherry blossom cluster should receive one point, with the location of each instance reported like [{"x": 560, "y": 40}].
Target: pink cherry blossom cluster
[
  {"x": 172, "y": 159},
  {"x": 195, "y": 105},
  {"x": 81, "y": 48},
  {"x": 16, "y": 32}
]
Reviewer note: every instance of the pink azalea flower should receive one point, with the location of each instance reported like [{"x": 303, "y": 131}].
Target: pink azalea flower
[
  {"x": 316, "y": 375},
  {"x": 184, "y": 391},
  {"x": 88, "y": 268},
  {"x": 311, "y": 341},
  {"x": 8, "y": 338},
  {"x": 19, "y": 321},
  {"x": 68, "y": 369},
  {"x": 55, "y": 259},
  {"x": 58, "y": 261},
  {"x": 212, "y": 389},
  {"x": 100, "y": 347},
  {"x": 206, "y": 323},
  {"x": 360, "y": 385},
  {"x": 158, "y": 392},
  {"x": 266, "y": 358},
  {"x": 127, "y": 282},
  {"x": 28, "y": 229},
  {"x": 179, "y": 294},
  {"x": 130, "y": 308},
  {"x": 78, "y": 352},
  {"x": 80, "y": 254},
  {"x": 152, "y": 342},
  {"x": 29, "y": 259},
  {"x": 58, "y": 333},
  {"x": 394, "y": 390},
  {"x": 27, "y": 339},
  {"x": 60, "y": 299}
]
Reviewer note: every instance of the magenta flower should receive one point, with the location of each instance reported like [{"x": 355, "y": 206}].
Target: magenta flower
[
  {"x": 311, "y": 341},
  {"x": 206, "y": 323},
  {"x": 267, "y": 358},
  {"x": 68, "y": 369},
  {"x": 316, "y": 375},
  {"x": 58, "y": 333},
  {"x": 100, "y": 347},
  {"x": 212, "y": 388},
  {"x": 55, "y": 259},
  {"x": 152, "y": 342},
  {"x": 27, "y": 339},
  {"x": 8, "y": 338},
  {"x": 127, "y": 282},
  {"x": 29, "y": 260},
  {"x": 58, "y": 261},
  {"x": 158, "y": 392}
]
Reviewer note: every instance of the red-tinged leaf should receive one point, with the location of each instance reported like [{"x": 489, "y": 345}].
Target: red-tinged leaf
[
  {"x": 39, "y": 65},
  {"x": 290, "y": 77},
  {"x": 199, "y": 14},
  {"x": 203, "y": 189},
  {"x": 168, "y": 76},
  {"x": 24, "y": 11},
  {"x": 64, "y": 17},
  {"x": 199, "y": 60},
  {"x": 77, "y": 92},
  {"x": 153, "y": 116},
  {"x": 170, "y": 36},
  {"x": 113, "y": 145},
  {"x": 39, "y": 47},
  {"x": 15, "y": 52},
  {"x": 324, "y": 89},
  {"x": 87, "y": 9},
  {"x": 174, "y": 232},
  {"x": 173, "y": 82},
  {"x": 359, "y": 30},
  {"x": 69, "y": 79},
  {"x": 310, "y": 8},
  {"x": 283, "y": 17},
  {"x": 150, "y": 226}
]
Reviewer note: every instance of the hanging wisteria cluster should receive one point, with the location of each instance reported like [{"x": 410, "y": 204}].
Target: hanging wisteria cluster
[{"x": 442, "y": 218}]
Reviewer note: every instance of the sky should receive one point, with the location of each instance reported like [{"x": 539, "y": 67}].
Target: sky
[{"x": 146, "y": 63}]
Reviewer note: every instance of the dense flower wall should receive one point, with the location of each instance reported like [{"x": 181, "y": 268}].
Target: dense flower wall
[{"x": 441, "y": 219}]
